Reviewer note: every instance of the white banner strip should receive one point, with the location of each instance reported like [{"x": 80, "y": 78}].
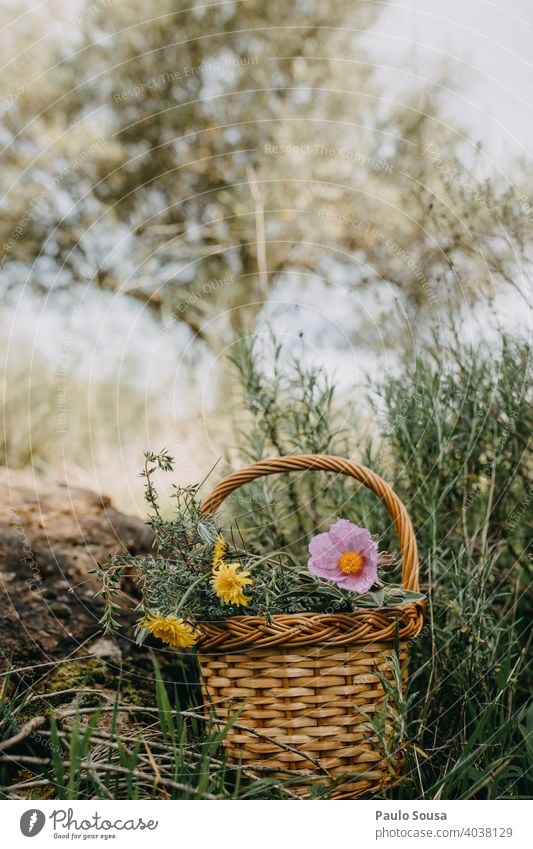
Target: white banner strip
[{"x": 311, "y": 825}]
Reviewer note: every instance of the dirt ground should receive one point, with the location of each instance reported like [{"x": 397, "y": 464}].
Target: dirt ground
[{"x": 51, "y": 538}]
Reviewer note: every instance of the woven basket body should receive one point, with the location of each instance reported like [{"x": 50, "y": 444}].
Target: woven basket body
[{"x": 302, "y": 689}]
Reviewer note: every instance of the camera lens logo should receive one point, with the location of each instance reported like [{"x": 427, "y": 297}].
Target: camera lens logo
[{"x": 32, "y": 822}]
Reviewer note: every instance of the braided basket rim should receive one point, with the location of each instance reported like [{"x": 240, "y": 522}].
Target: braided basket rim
[{"x": 286, "y": 630}]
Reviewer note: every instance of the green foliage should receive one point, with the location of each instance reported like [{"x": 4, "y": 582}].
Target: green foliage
[
  {"x": 288, "y": 409},
  {"x": 168, "y": 752},
  {"x": 458, "y": 437},
  {"x": 454, "y": 446},
  {"x": 177, "y": 579},
  {"x": 458, "y": 431},
  {"x": 454, "y": 443},
  {"x": 183, "y": 160}
]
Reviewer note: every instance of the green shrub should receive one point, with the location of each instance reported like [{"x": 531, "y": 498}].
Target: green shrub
[{"x": 454, "y": 444}]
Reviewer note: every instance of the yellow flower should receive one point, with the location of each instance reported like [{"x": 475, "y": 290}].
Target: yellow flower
[
  {"x": 228, "y": 583},
  {"x": 219, "y": 551},
  {"x": 170, "y": 629}
]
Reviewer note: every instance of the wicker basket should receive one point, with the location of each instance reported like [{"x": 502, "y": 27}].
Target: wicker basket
[{"x": 302, "y": 684}]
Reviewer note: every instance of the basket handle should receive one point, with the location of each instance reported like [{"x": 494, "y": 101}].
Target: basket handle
[{"x": 329, "y": 463}]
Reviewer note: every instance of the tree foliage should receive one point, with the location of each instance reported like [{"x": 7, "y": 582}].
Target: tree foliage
[{"x": 201, "y": 158}]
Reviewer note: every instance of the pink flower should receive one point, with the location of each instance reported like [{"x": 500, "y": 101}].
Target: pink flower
[{"x": 347, "y": 555}]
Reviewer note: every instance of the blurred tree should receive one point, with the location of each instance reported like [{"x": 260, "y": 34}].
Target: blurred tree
[{"x": 190, "y": 155}]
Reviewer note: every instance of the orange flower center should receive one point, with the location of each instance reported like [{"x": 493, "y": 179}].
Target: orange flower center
[{"x": 350, "y": 562}]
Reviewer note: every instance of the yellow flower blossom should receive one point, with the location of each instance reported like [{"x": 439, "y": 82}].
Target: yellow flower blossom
[
  {"x": 228, "y": 583},
  {"x": 170, "y": 629},
  {"x": 219, "y": 551}
]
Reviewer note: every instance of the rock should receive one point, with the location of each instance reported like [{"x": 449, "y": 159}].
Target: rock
[
  {"x": 51, "y": 538},
  {"x": 63, "y": 611},
  {"x": 108, "y": 648}
]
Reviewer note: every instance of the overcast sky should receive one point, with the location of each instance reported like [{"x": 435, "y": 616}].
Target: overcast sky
[{"x": 488, "y": 47}]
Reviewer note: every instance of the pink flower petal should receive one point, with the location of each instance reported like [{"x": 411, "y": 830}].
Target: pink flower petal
[
  {"x": 344, "y": 536},
  {"x": 327, "y": 561},
  {"x": 320, "y": 545},
  {"x": 348, "y": 537},
  {"x": 323, "y": 571}
]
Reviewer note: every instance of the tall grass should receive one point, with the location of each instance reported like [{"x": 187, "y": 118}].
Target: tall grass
[
  {"x": 453, "y": 441},
  {"x": 459, "y": 441},
  {"x": 120, "y": 750}
]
